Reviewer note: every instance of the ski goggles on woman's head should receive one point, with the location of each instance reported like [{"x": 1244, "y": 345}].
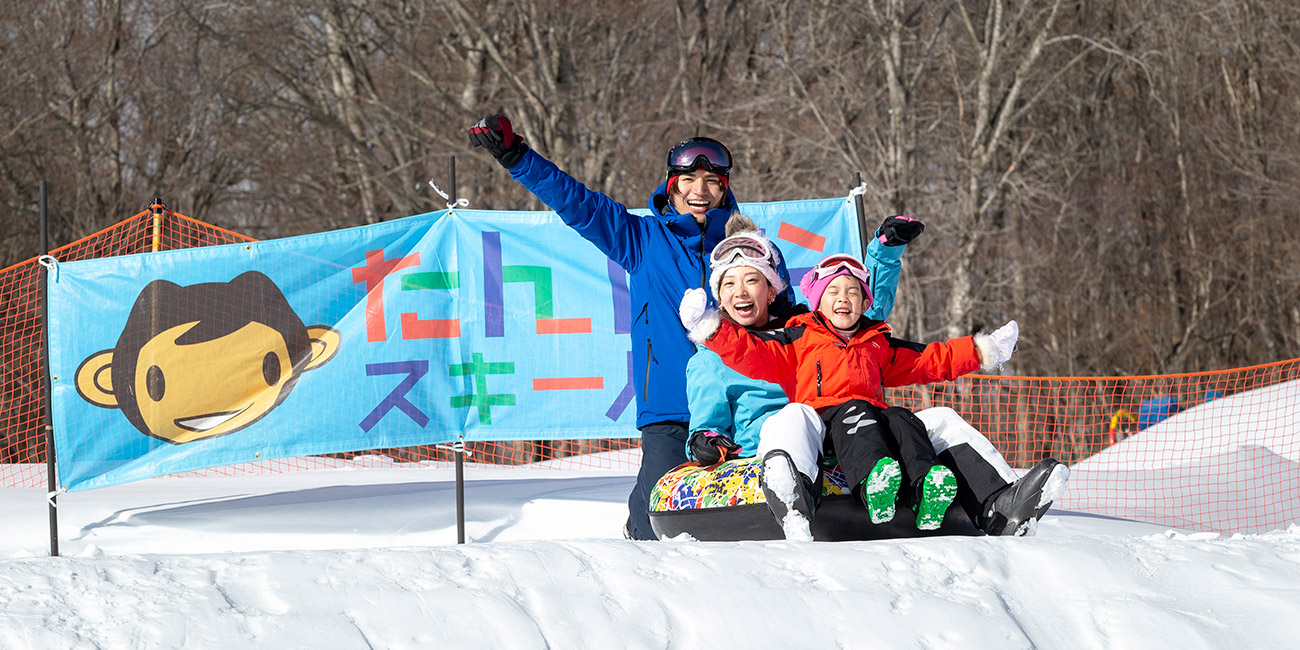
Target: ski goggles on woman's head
[
  {"x": 836, "y": 263},
  {"x": 749, "y": 248},
  {"x": 699, "y": 153}
]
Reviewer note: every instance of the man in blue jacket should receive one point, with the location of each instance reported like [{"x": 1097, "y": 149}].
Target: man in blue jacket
[{"x": 664, "y": 254}]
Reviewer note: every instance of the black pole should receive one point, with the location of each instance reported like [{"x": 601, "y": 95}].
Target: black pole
[
  {"x": 460, "y": 448},
  {"x": 460, "y": 490},
  {"x": 45, "y": 219},
  {"x": 864, "y": 235},
  {"x": 51, "y": 479}
]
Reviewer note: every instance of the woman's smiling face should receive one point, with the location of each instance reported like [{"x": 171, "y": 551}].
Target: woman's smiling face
[{"x": 744, "y": 293}]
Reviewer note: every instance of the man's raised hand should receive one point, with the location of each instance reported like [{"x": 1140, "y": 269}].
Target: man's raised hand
[{"x": 497, "y": 135}]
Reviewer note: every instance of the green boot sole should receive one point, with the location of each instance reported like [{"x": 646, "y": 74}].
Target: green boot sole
[
  {"x": 937, "y": 492},
  {"x": 880, "y": 490}
]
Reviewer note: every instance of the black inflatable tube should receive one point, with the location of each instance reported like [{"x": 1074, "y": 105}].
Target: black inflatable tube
[{"x": 839, "y": 518}]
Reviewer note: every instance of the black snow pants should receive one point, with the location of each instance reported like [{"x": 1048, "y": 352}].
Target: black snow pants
[
  {"x": 862, "y": 434},
  {"x": 977, "y": 480},
  {"x": 663, "y": 447}
]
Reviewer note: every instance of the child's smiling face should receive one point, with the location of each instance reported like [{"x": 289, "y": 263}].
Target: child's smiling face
[{"x": 843, "y": 302}]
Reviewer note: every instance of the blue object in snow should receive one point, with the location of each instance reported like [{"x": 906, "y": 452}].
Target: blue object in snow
[{"x": 1156, "y": 410}]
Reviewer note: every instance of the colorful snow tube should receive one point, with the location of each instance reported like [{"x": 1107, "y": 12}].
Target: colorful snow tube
[{"x": 726, "y": 503}]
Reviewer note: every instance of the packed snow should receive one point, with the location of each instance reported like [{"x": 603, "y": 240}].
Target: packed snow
[{"x": 367, "y": 558}]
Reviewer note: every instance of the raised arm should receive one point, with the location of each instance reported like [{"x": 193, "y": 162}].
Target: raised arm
[
  {"x": 599, "y": 219},
  {"x": 884, "y": 257},
  {"x": 914, "y": 363}
]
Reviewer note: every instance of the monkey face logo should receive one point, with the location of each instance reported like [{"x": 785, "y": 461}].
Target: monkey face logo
[{"x": 204, "y": 360}]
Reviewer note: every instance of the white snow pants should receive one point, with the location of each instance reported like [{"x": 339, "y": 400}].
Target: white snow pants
[
  {"x": 948, "y": 429},
  {"x": 797, "y": 430}
]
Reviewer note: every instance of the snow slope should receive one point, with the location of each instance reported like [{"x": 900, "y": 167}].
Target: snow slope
[
  {"x": 1230, "y": 464},
  {"x": 367, "y": 559}
]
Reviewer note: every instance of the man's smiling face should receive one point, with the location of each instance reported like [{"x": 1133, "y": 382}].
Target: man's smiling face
[{"x": 696, "y": 193}]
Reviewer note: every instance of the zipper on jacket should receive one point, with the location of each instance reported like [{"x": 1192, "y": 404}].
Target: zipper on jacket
[
  {"x": 645, "y": 386},
  {"x": 840, "y": 341},
  {"x": 704, "y": 264},
  {"x": 819, "y": 379}
]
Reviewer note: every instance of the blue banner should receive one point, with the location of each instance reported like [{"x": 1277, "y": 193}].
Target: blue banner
[{"x": 490, "y": 325}]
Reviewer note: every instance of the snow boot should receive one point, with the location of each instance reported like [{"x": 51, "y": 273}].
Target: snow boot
[
  {"x": 789, "y": 495},
  {"x": 879, "y": 490},
  {"x": 937, "y": 490},
  {"x": 1016, "y": 508}
]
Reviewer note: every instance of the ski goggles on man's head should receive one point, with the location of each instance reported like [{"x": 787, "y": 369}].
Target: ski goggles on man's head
[
  {"x": 748, "y": 248},
  {"x": 699, "y": 153},
  {"x": 836, "y": 263}
]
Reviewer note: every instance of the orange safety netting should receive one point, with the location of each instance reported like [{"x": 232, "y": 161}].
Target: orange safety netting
[
  {"x": 22, "y": 359},
  {"x": 1209, "y": 451},
  {"x": 1214, "y": 451}
]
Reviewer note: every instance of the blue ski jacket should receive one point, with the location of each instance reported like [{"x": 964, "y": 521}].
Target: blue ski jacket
[
  {"x": 664, "y": 255},
  {"x": 725, "y": 401}
]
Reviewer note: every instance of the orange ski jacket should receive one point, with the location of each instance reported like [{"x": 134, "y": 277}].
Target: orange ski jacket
[{"x": 819, "y": 367}]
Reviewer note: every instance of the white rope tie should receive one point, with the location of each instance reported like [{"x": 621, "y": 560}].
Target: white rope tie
[
  {"x": 451, "y": 205},
  {"x": 458, "y": 447},
  {"x": 858, "y": 191},
  {"x": 51, "y": 264}
]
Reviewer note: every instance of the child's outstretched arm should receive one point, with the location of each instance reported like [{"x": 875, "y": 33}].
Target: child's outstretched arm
[
  {"x": 995, "y": 348},
  {"x": 768, "y": 358},
  {"x": 913, "y": 363}
]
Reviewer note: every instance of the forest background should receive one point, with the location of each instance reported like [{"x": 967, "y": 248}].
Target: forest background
[{"x": 1121, "y": 176}]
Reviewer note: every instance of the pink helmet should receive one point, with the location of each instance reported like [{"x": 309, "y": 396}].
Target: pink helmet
[{"x": 815, "y": 281}]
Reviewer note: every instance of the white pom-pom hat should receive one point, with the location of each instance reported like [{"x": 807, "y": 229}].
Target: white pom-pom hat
[{"x": 745, "y": 245}]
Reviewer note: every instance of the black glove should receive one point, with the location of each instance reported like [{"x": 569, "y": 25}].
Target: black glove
[
  {"x": 711, "y": 448},
  {"x": 495, "y": 134},
  {"x": 898, "y": 230}
]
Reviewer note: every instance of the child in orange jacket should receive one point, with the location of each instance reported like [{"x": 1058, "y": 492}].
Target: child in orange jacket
[{"x": 837, "y": 362}]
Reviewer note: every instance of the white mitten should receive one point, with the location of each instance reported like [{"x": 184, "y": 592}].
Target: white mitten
[
  {"x": 700, "y": 321},
  {"x": 995, "y": 348}
]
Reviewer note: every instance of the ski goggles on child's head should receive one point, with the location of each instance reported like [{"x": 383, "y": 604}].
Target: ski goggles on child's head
[
  {"x": 835, "y": 263},
  {"x": 749, "y": 248},
  {"x": 699, "y": 153}
]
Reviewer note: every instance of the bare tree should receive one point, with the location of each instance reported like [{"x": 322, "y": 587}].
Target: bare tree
[
  {"x": 1118, "y": 176},
  {"x": 1000, "y": 76}
]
